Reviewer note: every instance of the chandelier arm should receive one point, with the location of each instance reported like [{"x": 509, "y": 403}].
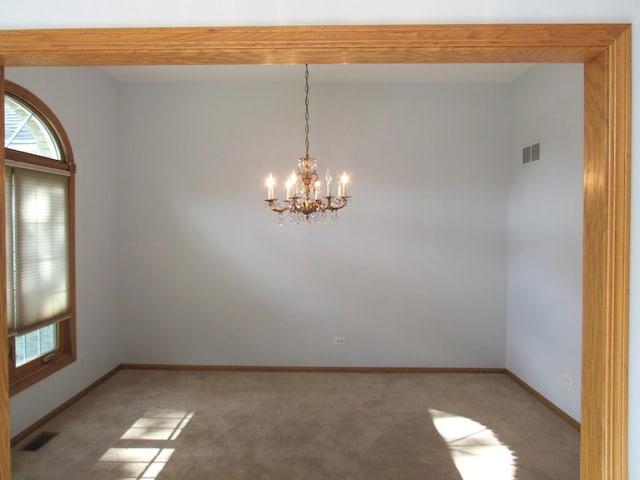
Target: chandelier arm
[{"x": 278, "y": 206}]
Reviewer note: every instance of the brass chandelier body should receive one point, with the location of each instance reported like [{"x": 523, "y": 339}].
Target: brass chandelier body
[{"x": 304, "y": 200}]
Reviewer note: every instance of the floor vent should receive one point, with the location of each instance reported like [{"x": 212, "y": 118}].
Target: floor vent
[{"x": 39, "y": 441}]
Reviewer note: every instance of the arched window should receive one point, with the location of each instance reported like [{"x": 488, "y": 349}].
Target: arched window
[{"x": 39, "y": 192}]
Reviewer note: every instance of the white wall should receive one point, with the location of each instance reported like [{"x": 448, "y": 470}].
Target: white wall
[
  {"x": 84, "y": 100},
  {"x": 544, "y": 299},
  {"x": 422, "y": 283},
  {"x": 67, "y": 13},
  {"x": 414, "y": 273}
]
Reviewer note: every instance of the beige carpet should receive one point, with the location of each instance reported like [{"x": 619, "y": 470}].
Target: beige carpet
[{"x": 234, "y": 425}]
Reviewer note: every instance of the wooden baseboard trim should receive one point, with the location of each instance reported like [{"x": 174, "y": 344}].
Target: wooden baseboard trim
[
  {"x": 544, "y": 400},
  {"x": 311, "y": 369},
  {"x": 318, "y": 369},
  {"x": 40, "y": 422}
]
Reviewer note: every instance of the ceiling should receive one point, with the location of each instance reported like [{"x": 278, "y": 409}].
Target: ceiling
[{"x": 494, "y": 73}]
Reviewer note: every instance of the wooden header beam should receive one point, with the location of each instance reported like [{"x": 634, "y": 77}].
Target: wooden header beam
[{"x": 295, "y": 45}]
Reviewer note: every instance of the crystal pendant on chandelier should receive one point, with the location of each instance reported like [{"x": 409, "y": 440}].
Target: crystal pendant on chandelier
[{"x": 304, "y": 200}]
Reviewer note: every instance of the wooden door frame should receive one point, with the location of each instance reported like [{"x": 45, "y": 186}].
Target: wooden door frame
[{"x": 604, "y": 49}]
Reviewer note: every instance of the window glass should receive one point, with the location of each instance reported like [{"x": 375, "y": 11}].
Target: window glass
[
  {"x": 36, "y": 344},
  {"x": 25, "y": 132}
]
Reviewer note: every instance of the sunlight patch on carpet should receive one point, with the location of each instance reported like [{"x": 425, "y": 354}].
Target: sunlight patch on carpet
[
  {"x": 158, "y": 424},
  {"x": 135, "y": 463},
  {"x": 476, "y": 451},
  {"x": 155, "y": 427}
]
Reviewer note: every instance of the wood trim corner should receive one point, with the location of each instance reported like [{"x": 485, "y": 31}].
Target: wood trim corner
[
  {"x": 568, "y": 419},
  {"x": 607, "y": 165}
]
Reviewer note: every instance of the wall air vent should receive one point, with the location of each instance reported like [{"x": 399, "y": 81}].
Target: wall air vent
[{"x": 531, "y": 153}]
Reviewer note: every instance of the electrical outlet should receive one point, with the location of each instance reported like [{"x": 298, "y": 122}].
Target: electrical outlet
[
  {"x": 339, "y": 340},
  {"x": 568, "y": 381}
]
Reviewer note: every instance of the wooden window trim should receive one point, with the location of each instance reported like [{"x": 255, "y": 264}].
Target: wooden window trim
[
  {"x": 48, "y": 118},
  {"x": 36, "y": 370},
  {"x": 603, "y": 48},
  {"x": 33, "y": 159}
]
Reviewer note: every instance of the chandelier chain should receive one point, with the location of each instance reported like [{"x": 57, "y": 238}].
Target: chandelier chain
[{"x": 306, "y": 110}]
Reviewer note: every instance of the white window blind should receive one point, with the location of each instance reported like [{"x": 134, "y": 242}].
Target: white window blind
[{"x": 40, "y": 251}]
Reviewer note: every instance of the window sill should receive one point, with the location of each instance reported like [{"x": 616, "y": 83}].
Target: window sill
[{"x": 38, "y": 374}]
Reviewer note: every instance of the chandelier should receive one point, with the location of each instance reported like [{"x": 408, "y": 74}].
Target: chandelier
[{"x": 303, "y": 198}]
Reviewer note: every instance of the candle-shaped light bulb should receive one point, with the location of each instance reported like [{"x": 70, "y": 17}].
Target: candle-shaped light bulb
[
  {"x": 327, "y": 178},
  {"x": 288, "y": 187},
  {"x": 270, "y": 183},
  {"x": 317, "y": 189},
  {"x": 344, "y": 180},
  {"x": 293, "y": 180}
]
